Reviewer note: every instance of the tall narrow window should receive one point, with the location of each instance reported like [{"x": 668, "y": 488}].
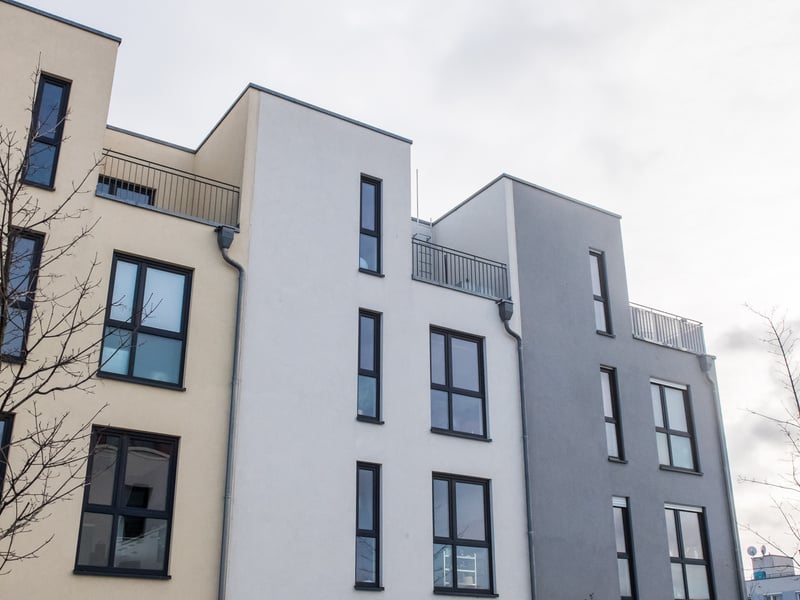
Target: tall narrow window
[
  {"x": 457, "y": 384},
  {"x": 462, "y": 549},
  {"x": 608, "y": 386},
  {"x": 602, "y": 315},
  {"x": 368, "y": 526},
  {"x": 6, "y": 420},
  {"x": 146, "y": 322},
  {"x": 369, "y": 365},
  {"x": 622, "y": 528},
  {"x": 15, "y": 317},
  {"x": 686, "y": 534},
  {"x": 47, "y": 128},
  {"x": 673, "y": 426},
  {"x": 370, "y": 238},
  {"x": 127, "y": 504}
]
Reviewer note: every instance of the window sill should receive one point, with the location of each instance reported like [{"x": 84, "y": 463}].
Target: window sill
[
  {"x": 41, "y": 186},
  {"x": 372, "y": 420},
  {"x": 605, "y": 334},
  {"x": 472, "y": 593},
  {"x": 113, "y": 573},
  {"x": 368, "y": 588},
  {"x": 368, "y": 272},
  {"x": 136, "y": 380},
  {"x": 679, "y": 470},
  {"x": 619, "y": 461},
  {"x": 459, "y": 434}
]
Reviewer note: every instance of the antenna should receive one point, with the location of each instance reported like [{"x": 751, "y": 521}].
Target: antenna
[{"x": 763, "y": 550}]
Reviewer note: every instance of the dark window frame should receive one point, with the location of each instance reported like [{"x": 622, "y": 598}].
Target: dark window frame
[
  {"x": 134, "y": 328},
  {"x": 115, "y": 185},
  {"x": 375, "y": 531},
  {"x": 374, "y": 232},
  {"x": 117, "y": 511},
  {"x": 450, "y": 389},
  {"x": 623, "y": 505},
  {"x": 614, "y": 418},
  {"x": 599, "y": 257},
  {"x": 24, "y": 300},
  {"x": 682, "y": 559},
  {"x": 670, "y": 433},
  {"x": 454, "y": 541},
  {"x": 5, "y": 442},
  {"x": 376, "y": 357},
  {"x": 56, "y": 137}
]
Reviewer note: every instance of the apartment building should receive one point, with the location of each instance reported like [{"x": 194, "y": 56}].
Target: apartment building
[{"x": 470, "y": 406}]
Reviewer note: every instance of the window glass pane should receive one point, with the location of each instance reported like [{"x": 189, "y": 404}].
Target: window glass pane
[
  {"x": 147, "y": 474},
  {"x": 367, "y": 394},
  {"x": 116, "y": 351},
  {"x": 467, "y": 414},
  {"x": 368, "y": 206},
  {"x": 141, "y": 543},
  {"x": 21, "y": 265},
  {"x": 163, "y": 300},
  {"x": 49, "y": 108},
  {"x": 690, "y": 531},
  {"x": 470, "y": 524},
  {"x": 681, "y": 452},
  {"x": 103, "y": 474},
  {"x": 619, "y": 529},
  {"x": 368, "y": 252},
  {"x": 439, "y": 411},
  {"x": 473, "y": 567},
  {"x": 41, "y": 162},
  {"x": 605, "y": 386},
  {"x": 441, "y": 508},
  {"x": 133, "y": 193},
  {"x": 672, "y": 535},
  {"x": 655, "y": 395},
  {"x": 676, "y": 409},
  {"x": 95, "y": 540},
  {"x": 663, "y": 449},
  {"x": 465, "y": 364},
  {"x": 697, "y": 580},
  {"x": 14, "y": 335},
  {"x": 158, "y": 358},
  {"x": 678, "y": 589},
  {"x": 611, "y": 440},
  {"x": 366, "y": 559},
  {"x": 366, "y": 489},
  {"x": 103, "y": 186},
  {"x": 442, "y": 565},
  {"x": 623, "y": 567},
  {"x": 600, "y": 316},
  {"x": 366, "y": 345},
  {"x": 594, "y": 260},
  {"x": 124, "y": 294},
  {"x": 437, "y": 359}
]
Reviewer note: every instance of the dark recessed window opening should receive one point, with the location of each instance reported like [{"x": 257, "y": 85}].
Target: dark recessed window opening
[
  {"x": 6, "y": 421},
  {"x": 47, "y": 128},
  {"x": 369, "y": 258},
  {"x": 608, "y": 386},
  {"x": 674, "y": 433},
  {"x": 126, "y": 191},
  {"x": 622, "y": 528},
  {"x": 369, "y": 365},
  {"x": 602, "y": 313},
  {"x": 368, "y": 521},
  {"x": 24, "y": 269},
  {"x": 688, "y": 554}
]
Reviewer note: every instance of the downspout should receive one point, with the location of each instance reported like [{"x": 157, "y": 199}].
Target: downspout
[
  {"x": 224, "y": 240},
  {"x": 707, "y": 366},
  {"x": 506, "y": 310}
]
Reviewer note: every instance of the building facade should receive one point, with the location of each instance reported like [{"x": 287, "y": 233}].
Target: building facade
[{"x": 305, "y": 393}]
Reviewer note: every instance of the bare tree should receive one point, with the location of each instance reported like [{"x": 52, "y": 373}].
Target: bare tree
[{"x": 50, "y": 333}]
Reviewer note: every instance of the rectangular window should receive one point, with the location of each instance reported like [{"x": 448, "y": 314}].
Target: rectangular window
[
  {"x": 23, "y": 271},
  {"x": 608, "y": 386},
  {"x": 126, "y": 191},
  {"x": 47, "y": 128},
  {"x": 370, "y": 238},
  {"x": 686, "y": 534},
  {"x": 622, "y": 528},
  {"x": 369, "y": 365},
  {"x": 368, "y": 526},
  {"x": 127, "y": 503},
  {"x": 673, "y": 426},
  {"x": 6, "y": 421},
  {"x": 458, "y": 399},
  {"x": 602, "y": 315},
  {"x": 462, "y": 548},
  {"x": 146, "y": 321}
]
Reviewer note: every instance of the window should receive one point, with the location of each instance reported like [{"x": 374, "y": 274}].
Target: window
[
  {"x": 673, "y": 426},
  {"x": 608, "y": 385},
  {"x": 146, "y": 321},
  {"x": 370, "y": 239},
  {"x": 124, "y": 190},
  {"x": 369, "y": 365},
  {"x": 49, "y": 114},
  {"x": 368, "y": 526},
  {"x": 602, "y": 315},
  {"x": 25, "y": 258},
  {"x": 622, "y": 529},
  {"x": 687, "y": 550},
  {"x": 457, "y": 386},
  {"x": 127, "y": 503},
  {"x": 462, "y": 549},
  {"x": 773, "y": 596},
  {"x": 6, "y": 421}
]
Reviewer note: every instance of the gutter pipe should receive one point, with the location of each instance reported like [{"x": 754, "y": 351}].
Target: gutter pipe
[
  {"x": 225, "y": 236},
  {"x": 506, "y": 311}
]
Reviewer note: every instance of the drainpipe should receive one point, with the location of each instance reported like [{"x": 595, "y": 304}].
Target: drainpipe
[
  {"x": 224, "y": 240},
  {"x": 506, "y": 310},
  {"x": 707, "y": 366}
]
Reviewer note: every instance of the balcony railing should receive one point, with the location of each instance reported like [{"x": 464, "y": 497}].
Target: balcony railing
[
  {"x": 165, "y": 189},
  {"x": 458, "y": 270},
  {"x": 666, "y": 329}
]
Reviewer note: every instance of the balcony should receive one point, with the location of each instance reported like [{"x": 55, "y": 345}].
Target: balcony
[
  {"x": 458, "y": 270},
  {"x": 666, "y": 329},
  {"x": 164, "y": 189}
]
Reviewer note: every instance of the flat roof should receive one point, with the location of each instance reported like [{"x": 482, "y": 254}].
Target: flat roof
[{"x": 42, "y": 13}]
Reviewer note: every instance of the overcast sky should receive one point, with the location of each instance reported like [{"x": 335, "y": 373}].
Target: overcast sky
[{"x": 682, "y": 116}]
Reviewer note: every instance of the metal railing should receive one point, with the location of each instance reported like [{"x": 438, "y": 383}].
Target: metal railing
[
  {"x": 666, "y": 329},
  {"x": 457, "y": 270},
  {"x": 144, "y": 183}
]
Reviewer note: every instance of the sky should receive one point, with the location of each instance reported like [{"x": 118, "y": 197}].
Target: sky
[{"x": 682, "y": 116}]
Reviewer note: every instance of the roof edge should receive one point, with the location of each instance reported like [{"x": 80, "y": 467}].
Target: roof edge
[
  {"x": 43, "y": 13},
  {"x": 147, "y": 137}
]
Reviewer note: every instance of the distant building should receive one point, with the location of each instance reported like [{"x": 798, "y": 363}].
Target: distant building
[{"x": 774, "y": 578}]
